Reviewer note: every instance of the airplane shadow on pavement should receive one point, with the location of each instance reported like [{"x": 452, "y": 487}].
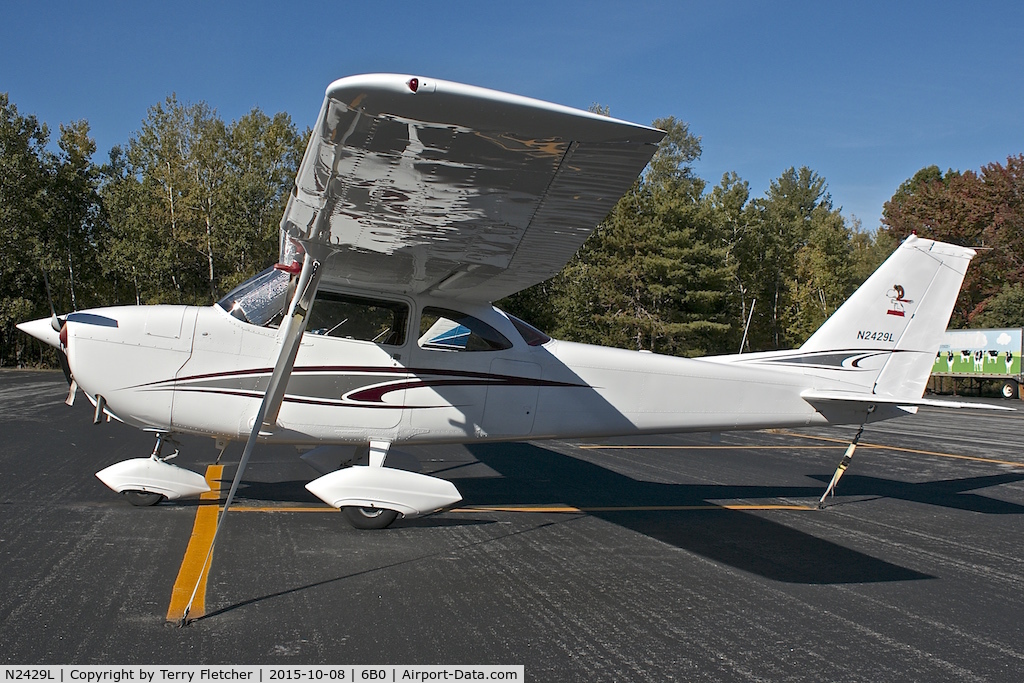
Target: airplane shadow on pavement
[{"x": 745, "y": 540}]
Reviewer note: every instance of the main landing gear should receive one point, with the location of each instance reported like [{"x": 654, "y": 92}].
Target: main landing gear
[{"x": 373, "y": 496}]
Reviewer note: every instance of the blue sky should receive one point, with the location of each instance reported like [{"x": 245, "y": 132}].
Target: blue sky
[{"x": 864, "y": 93}]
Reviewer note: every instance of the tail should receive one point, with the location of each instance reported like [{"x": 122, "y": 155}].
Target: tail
[
  {"x": 883, "y": 340},
  {"x": 879, "y": 347}
]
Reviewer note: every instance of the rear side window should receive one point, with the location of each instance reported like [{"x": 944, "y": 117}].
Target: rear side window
[
  {"x": 445, "y": 330},
  {"x": 531, "y": 335}
]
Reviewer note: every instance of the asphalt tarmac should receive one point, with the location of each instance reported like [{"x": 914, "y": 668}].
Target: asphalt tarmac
[{"x": 684, "y": 557}]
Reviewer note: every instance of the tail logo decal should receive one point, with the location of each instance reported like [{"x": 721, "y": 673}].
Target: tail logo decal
[{"x": 897, "y": 301}]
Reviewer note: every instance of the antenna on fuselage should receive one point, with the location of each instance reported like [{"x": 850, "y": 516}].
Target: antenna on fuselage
[{"x": 746, "y": 328}]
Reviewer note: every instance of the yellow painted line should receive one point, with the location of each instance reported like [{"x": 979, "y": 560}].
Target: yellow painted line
[
  {"x": 915, "y": 451},
  {"x": 547, "y": 508},
  {"x": 843, "y": 443},
  {"x": 280, "y": 508},
  {"x": 194, "y": 562},
  {"x": 627, "y": 508},
  {"x": 698, "y": 448}
]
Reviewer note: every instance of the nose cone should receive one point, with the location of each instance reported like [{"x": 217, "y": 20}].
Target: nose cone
[{"x": 42, "y": 330}]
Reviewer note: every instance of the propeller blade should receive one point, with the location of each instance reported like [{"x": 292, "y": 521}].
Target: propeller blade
[
  {"x": 62, "y": 358},
  {"x": 55, "y": 322}
]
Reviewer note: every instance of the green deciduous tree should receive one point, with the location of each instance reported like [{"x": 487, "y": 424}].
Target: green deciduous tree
[
  {"x": 24, "y": 178},
  {"x": 194, "y": 204},
  {"x": 263, "y": 154},
  {"x": 49, "y": 221},
  {"x": 730, "y": 213},
  {"x": 1005, "y": 309},
  {"x": 975, "y": 209},
  {"x": 74, "y": 238},
  {"x": 794, "y": 258}
]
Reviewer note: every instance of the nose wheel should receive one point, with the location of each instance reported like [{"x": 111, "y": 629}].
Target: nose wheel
[{"x": 142, "y": 498}]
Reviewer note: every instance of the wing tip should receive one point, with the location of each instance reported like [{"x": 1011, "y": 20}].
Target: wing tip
[{"x": 348, "y": 89}]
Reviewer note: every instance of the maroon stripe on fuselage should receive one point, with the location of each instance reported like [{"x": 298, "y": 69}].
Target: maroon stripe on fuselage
[{"x": 371, "y": 396}]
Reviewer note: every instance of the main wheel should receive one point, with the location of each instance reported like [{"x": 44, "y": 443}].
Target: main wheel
[
  {"x": 1010, "y": 389},
  {"x": 143, "y": 498},
  {"x": 370, "y": 518}
]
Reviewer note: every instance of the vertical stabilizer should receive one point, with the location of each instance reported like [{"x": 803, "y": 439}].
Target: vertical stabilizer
[{"x": 896, "y": 320}]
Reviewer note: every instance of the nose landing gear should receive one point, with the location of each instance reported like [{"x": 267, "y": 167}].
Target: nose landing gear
[{"x": 147, "y": 481}]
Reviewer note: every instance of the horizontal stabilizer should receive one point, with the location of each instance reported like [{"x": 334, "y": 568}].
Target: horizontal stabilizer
[{"x": 850, "y": 397}]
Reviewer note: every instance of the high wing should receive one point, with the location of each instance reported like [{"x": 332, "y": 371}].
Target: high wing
[{"x": 421, "y": 185}]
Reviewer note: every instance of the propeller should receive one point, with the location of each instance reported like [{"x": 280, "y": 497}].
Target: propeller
[{"x": 58, "y": 324}]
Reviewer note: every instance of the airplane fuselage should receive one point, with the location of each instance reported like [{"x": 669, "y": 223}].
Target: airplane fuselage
[{"x": 202, "y": 371}]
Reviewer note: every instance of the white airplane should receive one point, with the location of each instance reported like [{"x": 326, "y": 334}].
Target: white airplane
[{"x": 418, "y": 202}]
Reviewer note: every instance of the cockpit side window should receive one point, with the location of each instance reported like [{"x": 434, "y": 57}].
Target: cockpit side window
[
  {"x": 261, "y": 300},
  {"x": 356, "y": 317},
  {"x": 446, "y": 330}
]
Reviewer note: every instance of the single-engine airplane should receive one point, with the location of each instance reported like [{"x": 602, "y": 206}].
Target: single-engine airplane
[{"x": 417, "y": 203}]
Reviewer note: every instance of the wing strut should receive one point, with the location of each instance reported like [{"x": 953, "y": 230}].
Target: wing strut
[{"x": 292, "y": 327}]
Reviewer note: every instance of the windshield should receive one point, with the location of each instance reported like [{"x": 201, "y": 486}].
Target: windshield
[{"x": 259, "y": 301}]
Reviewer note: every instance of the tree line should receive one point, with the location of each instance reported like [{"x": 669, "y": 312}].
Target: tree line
[
  {"x": 190, "y": 207},
  {"x": 680, "y": 268}
]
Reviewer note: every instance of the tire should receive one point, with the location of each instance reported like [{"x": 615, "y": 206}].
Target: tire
[
  {"x": 370, "y": 518},
  {"x": 142, "y": 498},
  {"x": 1010, "y": 389}
]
